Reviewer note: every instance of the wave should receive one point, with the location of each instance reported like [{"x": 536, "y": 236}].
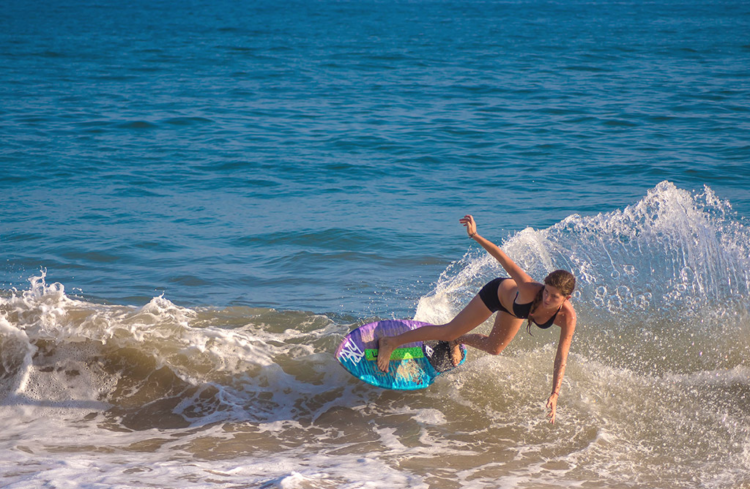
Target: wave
[
  {"x": 662, "y": 288},
  {"x": 662, "y": 284},
  {"x": 159, "y": 365}
]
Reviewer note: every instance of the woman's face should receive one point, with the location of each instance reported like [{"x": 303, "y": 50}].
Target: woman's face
[{"x": 552, "y": 297}]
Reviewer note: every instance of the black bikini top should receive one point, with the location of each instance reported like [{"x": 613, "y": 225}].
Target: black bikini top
[{"x": 523, "y": 310}]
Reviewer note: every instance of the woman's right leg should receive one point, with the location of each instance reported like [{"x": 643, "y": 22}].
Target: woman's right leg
[
  {"x": 474, "y": 314},
  {"x": 504, "y": 330}
]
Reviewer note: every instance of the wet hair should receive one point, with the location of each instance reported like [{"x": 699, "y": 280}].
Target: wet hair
[{"x": 562, "y": 280}]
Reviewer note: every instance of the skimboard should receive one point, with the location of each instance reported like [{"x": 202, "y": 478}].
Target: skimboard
[{"x": 412, "y": 366}]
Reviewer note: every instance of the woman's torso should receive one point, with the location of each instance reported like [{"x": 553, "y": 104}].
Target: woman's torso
[{"x": 518, "y": 301}]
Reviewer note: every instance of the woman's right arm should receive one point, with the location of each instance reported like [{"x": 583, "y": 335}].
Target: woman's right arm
[{"x": 515, "y": 272}]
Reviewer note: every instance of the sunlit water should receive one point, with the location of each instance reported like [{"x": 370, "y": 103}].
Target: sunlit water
[{"x": 200, "y": 200}]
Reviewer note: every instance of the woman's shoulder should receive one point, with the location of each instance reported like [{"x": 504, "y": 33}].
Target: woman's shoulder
[
  {"x": 567, "y": 311},
  {"x": 530, "y": 286},
  {"x": 527, "y": 291}
]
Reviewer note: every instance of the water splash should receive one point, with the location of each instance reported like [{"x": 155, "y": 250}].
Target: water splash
[
  {"x": 670, "y": 252},
  {"x": 662, "y": 284}
]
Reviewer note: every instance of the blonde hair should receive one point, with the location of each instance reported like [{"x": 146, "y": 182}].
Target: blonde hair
[{"x": 562, "y": 280}]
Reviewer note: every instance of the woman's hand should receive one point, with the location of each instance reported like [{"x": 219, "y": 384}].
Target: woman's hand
[
  {"x": 552, "y": 406},
  {"x": 471, "y": 226}
]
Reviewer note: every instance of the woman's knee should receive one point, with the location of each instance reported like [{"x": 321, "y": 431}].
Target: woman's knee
[{"x": 496, "y": 349}]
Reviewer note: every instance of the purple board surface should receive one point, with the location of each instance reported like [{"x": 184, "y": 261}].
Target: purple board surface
[{"x": 413, "y": 365}]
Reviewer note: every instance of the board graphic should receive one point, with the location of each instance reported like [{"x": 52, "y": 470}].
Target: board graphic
[{"x": 412, "y": 366}]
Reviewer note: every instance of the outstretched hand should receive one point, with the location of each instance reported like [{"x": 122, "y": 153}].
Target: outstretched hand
[
  {"x": 552, "y": 406},
  {"x": 471, "y": 226}
]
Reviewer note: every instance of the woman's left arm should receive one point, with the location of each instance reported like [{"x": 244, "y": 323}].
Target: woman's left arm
[{"x": 567, "y": 328}]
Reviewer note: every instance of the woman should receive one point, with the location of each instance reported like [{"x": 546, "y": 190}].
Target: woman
[{"x": 516, "y": 298}]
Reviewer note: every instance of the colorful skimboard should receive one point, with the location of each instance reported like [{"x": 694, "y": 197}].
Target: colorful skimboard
[{"x": 412, "y": 366}]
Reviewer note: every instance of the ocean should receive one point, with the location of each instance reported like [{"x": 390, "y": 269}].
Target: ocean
[{"x": 200, "y": 199}]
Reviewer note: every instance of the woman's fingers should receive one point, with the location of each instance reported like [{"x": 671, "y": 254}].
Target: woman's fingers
[
  {"x": 468, "y": 222},
  {"x": 552, "y": 406}
]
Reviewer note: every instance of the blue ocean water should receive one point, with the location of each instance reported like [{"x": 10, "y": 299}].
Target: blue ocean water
[
  {"x": 302, "y": 166},
  {"x": 317, "y": 155}
]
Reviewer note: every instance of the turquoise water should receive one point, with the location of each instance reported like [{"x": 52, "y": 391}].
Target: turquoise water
[{"x": 219, "y": 191}]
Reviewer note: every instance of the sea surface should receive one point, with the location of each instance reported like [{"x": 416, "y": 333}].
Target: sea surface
[{"x": 199, "y": 199}]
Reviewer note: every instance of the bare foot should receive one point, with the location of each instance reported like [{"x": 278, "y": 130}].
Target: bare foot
[
  {"x": 385, "y": 349},
  {"x": 456, "y": 353}
]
